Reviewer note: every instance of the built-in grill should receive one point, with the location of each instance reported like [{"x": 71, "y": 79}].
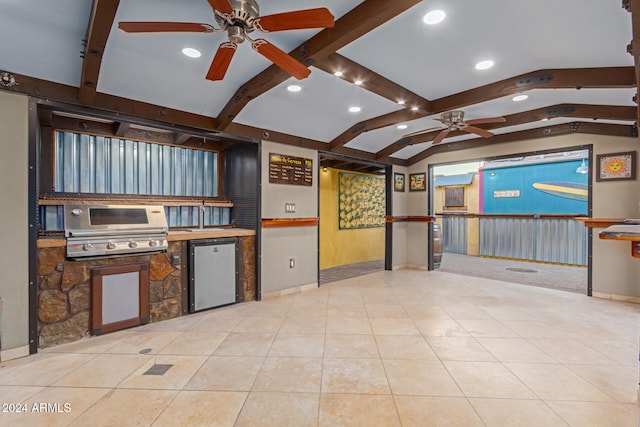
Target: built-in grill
[{"x": 108, "y": 230}]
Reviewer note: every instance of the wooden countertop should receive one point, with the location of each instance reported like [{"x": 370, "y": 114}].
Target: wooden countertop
[
  {"x": 174, "y": 236},
  {"x": 629, "y": 232}
]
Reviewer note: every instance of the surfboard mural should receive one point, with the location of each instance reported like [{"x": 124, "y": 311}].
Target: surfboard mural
[{"x": 568, "y": 190}]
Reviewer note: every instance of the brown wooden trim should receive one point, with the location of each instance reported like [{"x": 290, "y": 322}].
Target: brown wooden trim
[
  {"x": 362, "y": 19},
  {"x": 101, "y": 20},
  {"x": 633, "y": 7},
  {"x": 635, "y": 249},
  {"x": 128, "y": 199},
  {"x": 96, "y": 297},
  {"x": 600, "y": 222},
  {"x": 619, "y": 237},
  {"x": 289, "y": 222},
  {"x": 409, "y": 219}
]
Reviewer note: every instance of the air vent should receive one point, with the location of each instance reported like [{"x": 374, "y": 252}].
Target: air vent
[
  {"x": 521, "y": 270},
  {"x": 357, "y": 128},
  {"x": 157, "y": 369},
  {"x": 405, "y": 141},
  {"x": 535, "y": 80},
  {"x": 560, "y": 111}
]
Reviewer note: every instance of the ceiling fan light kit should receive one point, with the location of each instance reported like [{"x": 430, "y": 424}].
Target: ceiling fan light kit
[{"x": 240, "y": 18}]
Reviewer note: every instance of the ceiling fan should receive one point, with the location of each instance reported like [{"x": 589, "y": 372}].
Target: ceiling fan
[
  {"x": 239, "y": 18},
  {"x": 454, "y": 120}
]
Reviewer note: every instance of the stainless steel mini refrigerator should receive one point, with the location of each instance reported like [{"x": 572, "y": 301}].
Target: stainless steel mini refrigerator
[{"x": 213, "y": 272}]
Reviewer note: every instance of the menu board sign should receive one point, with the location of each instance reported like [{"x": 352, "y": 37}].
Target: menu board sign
[{"x": 290, "y": 170}]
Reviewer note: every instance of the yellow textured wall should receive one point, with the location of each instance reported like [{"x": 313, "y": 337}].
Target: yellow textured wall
[{"x": 342, "y": 247}]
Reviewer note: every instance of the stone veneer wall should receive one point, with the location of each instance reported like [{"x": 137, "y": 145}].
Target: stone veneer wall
[
  {"x": 64, "y": 291},
  {"x": 246, "y": 290}
]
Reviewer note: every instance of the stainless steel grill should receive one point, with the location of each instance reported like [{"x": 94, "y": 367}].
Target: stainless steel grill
[{"x": 108, "y": 230}]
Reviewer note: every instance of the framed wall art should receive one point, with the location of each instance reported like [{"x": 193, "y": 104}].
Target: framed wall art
[
  {"x": 418, "y": 182},
  {"x": 616, "y": 166},
  {"x": 398, "y": 182}
]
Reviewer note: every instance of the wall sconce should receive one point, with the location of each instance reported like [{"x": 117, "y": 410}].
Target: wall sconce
[
  {"x": 583, "y": 168},
  {"x": 324, "y": 169}
]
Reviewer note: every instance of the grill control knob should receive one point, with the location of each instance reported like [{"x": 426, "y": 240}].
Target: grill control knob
[
  {"x": 111, "y": 245},
  {"x": 87, "y": 247},
  {"x": 133, "y": 244},
  {"x": 153, "y": 243}
]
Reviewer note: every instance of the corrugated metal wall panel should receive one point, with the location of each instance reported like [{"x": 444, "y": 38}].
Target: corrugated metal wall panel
[
  {"x": 454, "y": 234},
  {"x": 548, "y": 239}
]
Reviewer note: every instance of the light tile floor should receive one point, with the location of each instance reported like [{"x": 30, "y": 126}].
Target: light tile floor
[{"x": 402, "y": 348}]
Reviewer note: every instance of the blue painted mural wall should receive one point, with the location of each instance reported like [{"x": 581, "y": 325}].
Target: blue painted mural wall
[{"x": 511, "y": 190}]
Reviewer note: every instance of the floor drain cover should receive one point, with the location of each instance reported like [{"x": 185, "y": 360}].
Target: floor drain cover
[
  {"x": 145, "y": 351},
  {"x": 521, "y": 270},
  {"x": 158, "y": 369}
]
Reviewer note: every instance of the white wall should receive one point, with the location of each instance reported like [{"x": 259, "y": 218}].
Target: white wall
[
  {"x": 280, "y": 245},
  {"x": 614, "y": 270},
  {"x": 400, "y": 229},
  {"x": 14, "y": 250}
]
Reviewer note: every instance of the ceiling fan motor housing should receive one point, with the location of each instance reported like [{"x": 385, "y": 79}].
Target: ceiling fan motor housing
[{"x": 242, "y": 17}]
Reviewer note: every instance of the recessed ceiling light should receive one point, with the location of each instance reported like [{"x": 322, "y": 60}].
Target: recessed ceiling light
[
  {"x": 338, "y": 74},
  {"x": 545, "y": 119},
  {"x": 354, "y": 109},
  {"x": 294, "y": 88},
  {"x": 414, "y": 108},
  {"x": 401, "y": 127},
  {"x": 191, "y": 52},
  {"x": 358, "y": 82},
  {"x": 519, "y": 98},
  {"x": 401, "y": 102},
  {"x": 434, "y": 17},
  {"x": 484, "y": 65}
]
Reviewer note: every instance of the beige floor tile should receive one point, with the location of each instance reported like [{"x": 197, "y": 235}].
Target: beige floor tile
[
  {"x": 195, "y": 343},
  {"x": 590, "y": 414},
  {"x": 348, "y": 325},
  {"x": 532, "y": 329},
  {"x": 422, "y": 311},
  {"x": 297, "y": 345},
  {"x": 43, "y": 370},
  {"x": 440, "y": 328},
  {"x": 556, "y": 382},
  {"x": 486, "y": 328},
  {"x": 53, "y": 406},
  {"x": 347, "y": 346},
  {"x": 270, "y": 409},
  {"x": 290, "y": 374},
  {"x": 15, "y": 394},
  {"x": 570, "y": 351},
  {"x": 179, "y": 374},
  {"x": 515, "y": 350},
  {"x": 487, "y": 379},
  {"x": 126, "y": 408},
  {"x": 303, "y": 325},
  {"x": 225, "y": 373},
  {"x": 243, "y": 344},
  {"x": 516, "y": 413},
  {"x": 216, "y": 324},
  {"x": 107, "y": 370},
  {"x": 93, "y": 344},
  {"x": 344, "y": 309},
  {"x": 357, "y": 410},
  {"x": 421, "y": 411},
  {"x": 404, "y": 347},
  {"x": 154, "y": 342},
  {"x": 259, "y": 325},
  {"x": 459, "y": 348},
  {"x": 619, "y": 382},
  {"x": 202, "y": 408},
  {"x": 420, "y": 378},
  {"x": 508, "y": 313},
  {"x": 391, "y": 326},
  {"x": 466, "y": 312},
  {"x": 366, "y": 376},
  {"x": 386, "y": 311}
]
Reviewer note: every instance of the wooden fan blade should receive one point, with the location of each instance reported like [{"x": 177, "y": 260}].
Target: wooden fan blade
[
  {"x": 422, "y": 132},
  {"x": 164, "y": 27},
  {"x": 482, "y": 132},
  {"x": 221, "y": 61},
  {"x": 486, "y": 120},
  {"x": 221, "y": 5},
  {"x": 281, "y": 59},
  {"x": 438, "y": 139},
  {"x": 297, "y": 20}
]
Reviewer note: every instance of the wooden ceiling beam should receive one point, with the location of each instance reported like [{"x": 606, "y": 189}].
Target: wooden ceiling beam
[
  {"x": 577, "y": 78},
  {"x": 586, "y": 111},
  {"x": 180, "y": 138},
  {"x": 103, "y": 14},
  {"x": 562, "y": 129},
  {"x": 360, "y": 20},
  {"x": 121, "y": 128}
]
